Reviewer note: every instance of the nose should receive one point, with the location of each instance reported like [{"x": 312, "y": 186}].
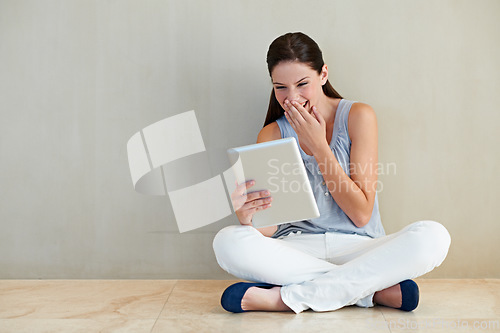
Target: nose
[{"x": 292, "y": 95}]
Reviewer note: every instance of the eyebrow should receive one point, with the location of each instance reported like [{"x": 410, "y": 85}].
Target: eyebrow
[{"x": 295, "y": 82}]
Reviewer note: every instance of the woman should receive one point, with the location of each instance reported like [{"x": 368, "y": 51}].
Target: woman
[{"x": 343, "y": 257}]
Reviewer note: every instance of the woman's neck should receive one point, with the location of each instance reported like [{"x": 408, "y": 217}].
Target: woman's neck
[{"x": 327, "y": 108}]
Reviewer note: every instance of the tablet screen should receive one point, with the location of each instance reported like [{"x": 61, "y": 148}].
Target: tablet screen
[{"x": 275, "y": 166}]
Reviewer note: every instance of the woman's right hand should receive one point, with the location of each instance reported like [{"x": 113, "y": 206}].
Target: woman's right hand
[{"x": 246, "y": 204}]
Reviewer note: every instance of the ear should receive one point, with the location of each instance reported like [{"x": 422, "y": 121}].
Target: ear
[{"x": 324, "y": 74}]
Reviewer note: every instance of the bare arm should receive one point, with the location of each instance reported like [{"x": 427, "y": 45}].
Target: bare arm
[{"x": 355, "y": 195}]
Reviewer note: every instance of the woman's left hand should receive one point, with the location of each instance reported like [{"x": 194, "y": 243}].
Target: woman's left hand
[{"x": 310, "y": 127}]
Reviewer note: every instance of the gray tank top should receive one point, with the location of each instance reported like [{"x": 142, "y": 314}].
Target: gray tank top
[{"x": 332, "y": 217}]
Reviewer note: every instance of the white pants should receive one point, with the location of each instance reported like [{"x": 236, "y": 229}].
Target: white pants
[{"x": 325, "y": 272}]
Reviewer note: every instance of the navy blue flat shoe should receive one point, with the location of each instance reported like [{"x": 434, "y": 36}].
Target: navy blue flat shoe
[
  {"x": 232, "y": 296},
  {"x": 410, "y": 295}
]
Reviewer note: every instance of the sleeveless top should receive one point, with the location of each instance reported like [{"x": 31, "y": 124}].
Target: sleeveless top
[{"x": 332, "y": 218}]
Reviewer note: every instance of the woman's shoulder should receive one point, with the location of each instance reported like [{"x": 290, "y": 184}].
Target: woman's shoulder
[
  {"x": 361, "y": 117},
  {"x": 359, "y": 107},
  {"x": 269, "y": 132}
]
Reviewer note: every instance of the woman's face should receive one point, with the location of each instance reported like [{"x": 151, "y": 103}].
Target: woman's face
[{"x": 296, "y": 81}]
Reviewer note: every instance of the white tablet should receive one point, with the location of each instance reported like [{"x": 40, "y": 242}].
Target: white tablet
[{"x": 276, "y": 166}]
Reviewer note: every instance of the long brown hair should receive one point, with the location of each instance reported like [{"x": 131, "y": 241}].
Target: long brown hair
[{"x": 294, "y": 46}]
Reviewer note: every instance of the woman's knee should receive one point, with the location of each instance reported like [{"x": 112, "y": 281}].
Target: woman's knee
[
  {"x": 224, "y": 239},
  {"x": 229, "y": 243},
  {"x": 431, "y": 239},
  {"x": 436, "y": 232}
]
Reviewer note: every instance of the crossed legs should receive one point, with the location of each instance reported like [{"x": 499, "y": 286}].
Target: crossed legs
[{"x": 346, "y": 276}]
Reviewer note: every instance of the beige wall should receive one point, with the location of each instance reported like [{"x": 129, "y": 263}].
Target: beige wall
[{"x": 78, "y": 78}]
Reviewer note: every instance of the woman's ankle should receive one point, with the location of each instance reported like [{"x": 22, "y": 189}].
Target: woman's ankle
[
  {"x": 390, "y": 297},
  {"x": 260, "y": 299}
]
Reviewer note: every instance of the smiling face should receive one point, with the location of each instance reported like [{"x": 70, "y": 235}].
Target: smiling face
[{"x": 296, "y": 81}]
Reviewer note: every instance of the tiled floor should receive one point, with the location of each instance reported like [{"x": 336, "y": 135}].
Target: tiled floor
[{"x": 193, "y": 306}]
